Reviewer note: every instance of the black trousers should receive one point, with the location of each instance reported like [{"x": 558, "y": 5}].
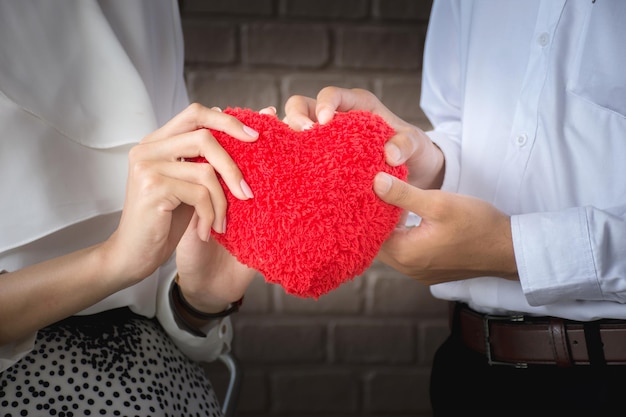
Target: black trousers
[{"x": 463, "y": 383}]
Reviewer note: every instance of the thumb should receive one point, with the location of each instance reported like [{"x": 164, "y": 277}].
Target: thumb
[{"x": 396, "y": 192}]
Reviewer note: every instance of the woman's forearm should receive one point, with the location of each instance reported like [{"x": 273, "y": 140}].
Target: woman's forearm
[{"x": 38, "y": 295}]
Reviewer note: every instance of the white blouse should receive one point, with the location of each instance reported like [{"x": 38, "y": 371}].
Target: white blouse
[{"x": 81, "y": 81}]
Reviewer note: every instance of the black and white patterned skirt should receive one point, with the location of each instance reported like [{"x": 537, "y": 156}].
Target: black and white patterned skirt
[{"x": 110, "y": 364}]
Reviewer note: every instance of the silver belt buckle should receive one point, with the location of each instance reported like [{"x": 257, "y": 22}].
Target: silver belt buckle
[{"x": 487, "y": 318}]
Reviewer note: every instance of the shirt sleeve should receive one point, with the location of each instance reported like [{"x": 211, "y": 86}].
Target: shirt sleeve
[
  {"x": 575, "y": 254},
  {"x": 441, "y": 96},
  {"x": 12, "y": 352},
  {"x": 205, "y": 349}
]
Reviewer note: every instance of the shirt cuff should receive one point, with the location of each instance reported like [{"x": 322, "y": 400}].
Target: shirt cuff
[
  {"x": 218, "y": 335},
  {"x": 554, "y": 257}
]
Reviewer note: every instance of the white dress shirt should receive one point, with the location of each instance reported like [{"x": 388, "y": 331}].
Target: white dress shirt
[
  {"x": 81, "y": 81},
  {"x": 528, "y": 103}
]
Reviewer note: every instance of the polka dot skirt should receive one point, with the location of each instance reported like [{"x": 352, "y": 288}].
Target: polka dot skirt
[{"x": 109, "y": 364}]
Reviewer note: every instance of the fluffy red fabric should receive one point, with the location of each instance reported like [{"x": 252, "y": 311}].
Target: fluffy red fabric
[{"x": 314, "y": 222}]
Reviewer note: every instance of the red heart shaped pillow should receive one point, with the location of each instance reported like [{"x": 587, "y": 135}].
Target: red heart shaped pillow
[{"x": 314, "y": 222}]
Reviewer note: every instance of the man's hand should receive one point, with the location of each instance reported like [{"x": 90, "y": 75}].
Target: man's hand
[
  {"x": 410, "y": 145},
  {"x": 459, "y": 237}
]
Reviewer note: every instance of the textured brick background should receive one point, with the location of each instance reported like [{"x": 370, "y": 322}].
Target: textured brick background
[{"x": 364, "y": 349}]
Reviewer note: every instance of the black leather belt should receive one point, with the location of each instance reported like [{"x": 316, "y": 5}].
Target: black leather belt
[{"x": 524, "y": 340}]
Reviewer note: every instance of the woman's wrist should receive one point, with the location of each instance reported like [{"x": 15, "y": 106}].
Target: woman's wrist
[{"x": 192, "y": 319}]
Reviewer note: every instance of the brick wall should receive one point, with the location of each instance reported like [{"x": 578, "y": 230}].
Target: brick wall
[{"x": 364, "y": 349}]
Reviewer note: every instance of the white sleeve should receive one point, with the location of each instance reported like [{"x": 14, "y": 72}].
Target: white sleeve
[
  {"x": 205, "y": 349},
  {"x": 575, "y": 254},
  {"x": 442, "y": 87},
  {"x": 13, "y": 352}
]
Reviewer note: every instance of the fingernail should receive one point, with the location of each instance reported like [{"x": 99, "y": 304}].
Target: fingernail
[
  {"x": 382, "y": 183},
  {"x": 250, "y": 132},
  {"x": 270, "y": 110},
  {"x": 307, "y": 126},
  {"x": 246, "y": 189},
  {"x": 393, "y": 153},
  {"x": 216, "y": 109},
  {"x": 220, "y": 230}
]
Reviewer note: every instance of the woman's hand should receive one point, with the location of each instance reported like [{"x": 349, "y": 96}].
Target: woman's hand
[
  {"x": 165, "y": 197},
  {"x": 410, "y": 145},
  {"x": 209, "y": 276},
  {"x": 164, "y": 193}
]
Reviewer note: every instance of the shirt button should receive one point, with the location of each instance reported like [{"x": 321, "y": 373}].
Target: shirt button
[
  {"x": 521, "y": 140},
  {"x": 543, "y": 39}
]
